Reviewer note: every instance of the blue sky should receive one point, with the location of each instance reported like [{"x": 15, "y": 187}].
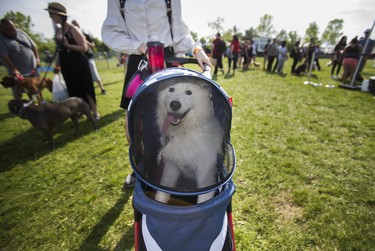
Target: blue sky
[{"x": 290, "y": 15}]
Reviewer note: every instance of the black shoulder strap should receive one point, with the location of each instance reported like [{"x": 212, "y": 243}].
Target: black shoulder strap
[
  {"x": 122, "y": 10},
  {"x": 19, "y": 41},
  {"x": 24, "y": 43},
  {"x": 169, "y": 11}
]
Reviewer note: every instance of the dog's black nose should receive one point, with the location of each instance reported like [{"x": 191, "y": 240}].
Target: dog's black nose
[{"x": 175, "y": 105}]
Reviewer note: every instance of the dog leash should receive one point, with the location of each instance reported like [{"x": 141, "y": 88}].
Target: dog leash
[{"x": 45, "y": 74}]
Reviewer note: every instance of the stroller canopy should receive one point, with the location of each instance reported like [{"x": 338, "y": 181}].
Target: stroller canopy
[{"x": 179, "y": 123}]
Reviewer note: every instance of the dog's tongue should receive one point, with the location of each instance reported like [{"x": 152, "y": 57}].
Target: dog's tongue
[
  {"x": 171, "y": 118},
  {"x": 166, "y": 123}
]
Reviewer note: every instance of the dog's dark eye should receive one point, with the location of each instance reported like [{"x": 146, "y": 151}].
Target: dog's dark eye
[
  {"x": 171, "y": 89},
  {"x": 188, "y": 92}
]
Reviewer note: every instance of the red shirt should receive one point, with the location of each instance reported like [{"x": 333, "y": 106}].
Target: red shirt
[{"x": 236, "y": 46}]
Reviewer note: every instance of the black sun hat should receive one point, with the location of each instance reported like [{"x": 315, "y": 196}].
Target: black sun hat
[{"x": 56, "y": 8}]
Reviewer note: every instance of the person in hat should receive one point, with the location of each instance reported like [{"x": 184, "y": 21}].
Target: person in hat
[
  {"x": 74, "y": 64},
  {"x": 18, "y": 52},
  {"x": 369, "y": 49}
]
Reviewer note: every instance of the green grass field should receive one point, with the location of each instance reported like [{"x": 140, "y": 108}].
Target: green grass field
[{"x": 305, "y": 173}]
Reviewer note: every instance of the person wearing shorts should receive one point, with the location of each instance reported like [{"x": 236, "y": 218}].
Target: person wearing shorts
[{"x": 351, "y": 54}]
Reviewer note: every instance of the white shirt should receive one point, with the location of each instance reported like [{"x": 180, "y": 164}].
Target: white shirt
[
  {"x": 145, "y": 19},
  {"x": 283, "y": 53}
]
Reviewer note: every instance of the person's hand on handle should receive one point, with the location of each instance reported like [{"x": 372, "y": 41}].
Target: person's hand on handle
[
  {"x": 202, "y": 58},
  {"x": 142, "y": 49}
]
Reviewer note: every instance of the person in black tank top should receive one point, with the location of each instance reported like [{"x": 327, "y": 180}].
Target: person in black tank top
[{"x": 74, "y": 64}]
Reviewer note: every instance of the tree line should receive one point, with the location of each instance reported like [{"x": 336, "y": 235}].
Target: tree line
[{"x": 331, "y": 33}]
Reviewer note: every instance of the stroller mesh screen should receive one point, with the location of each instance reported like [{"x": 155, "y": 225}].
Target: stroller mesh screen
[{"x": 180, "y": 135}]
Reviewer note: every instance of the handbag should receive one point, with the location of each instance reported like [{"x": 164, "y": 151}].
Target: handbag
[
  {"x": 137, "y": 79},
  {"x": 59, "y": 91}
]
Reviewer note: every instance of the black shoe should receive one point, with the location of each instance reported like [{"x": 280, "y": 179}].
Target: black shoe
[{"x": 129, "y": 181}]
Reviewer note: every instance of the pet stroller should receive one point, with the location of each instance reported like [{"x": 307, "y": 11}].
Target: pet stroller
[{"x": 183, "y": 221}]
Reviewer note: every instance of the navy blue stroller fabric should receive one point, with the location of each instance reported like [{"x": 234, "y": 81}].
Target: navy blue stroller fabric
[{"x": 199, "y": 227}]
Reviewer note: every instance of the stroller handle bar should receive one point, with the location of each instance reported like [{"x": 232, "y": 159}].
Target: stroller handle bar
[{"x": 181, "y": 60}]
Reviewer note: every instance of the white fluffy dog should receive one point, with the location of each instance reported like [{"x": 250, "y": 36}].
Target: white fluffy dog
[{"x": 191, "y": 137}]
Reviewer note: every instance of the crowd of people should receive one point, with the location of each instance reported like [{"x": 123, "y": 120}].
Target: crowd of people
[
  {"x": 304, "y": 58},
  {"x": 75, "y": 52}
]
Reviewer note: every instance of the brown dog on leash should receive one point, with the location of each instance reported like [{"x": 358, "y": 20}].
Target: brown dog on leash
[
  {"x": 46, "y": 116},
  {"x": 32, "y": 85}
]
